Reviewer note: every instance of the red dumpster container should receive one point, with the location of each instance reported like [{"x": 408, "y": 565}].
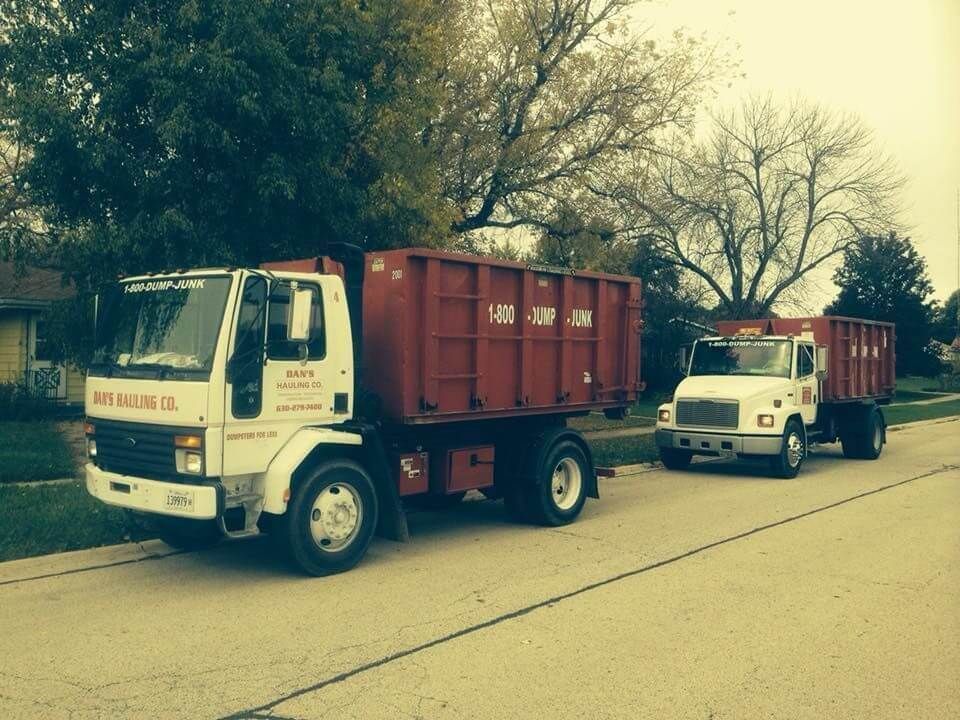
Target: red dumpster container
[
  {"x": 861, "y": 352},
  {"x": 457, "y": 337}
]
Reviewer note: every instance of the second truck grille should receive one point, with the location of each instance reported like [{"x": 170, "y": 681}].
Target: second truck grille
[{"x": 708, "y": 413}]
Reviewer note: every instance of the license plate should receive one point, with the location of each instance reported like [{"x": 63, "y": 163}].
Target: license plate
[{"x": 180, "y": 500}]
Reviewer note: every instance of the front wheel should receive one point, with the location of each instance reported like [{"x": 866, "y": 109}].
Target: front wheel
[
  {"x": 561, "y": 491},
  {"x": 674, "y": 459},
  {"x": 332, "y": 517},
  {"x": 786, "y": 464}
]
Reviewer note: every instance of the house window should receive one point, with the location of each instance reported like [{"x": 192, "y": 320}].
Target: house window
[{"x": 41, "y": 348}]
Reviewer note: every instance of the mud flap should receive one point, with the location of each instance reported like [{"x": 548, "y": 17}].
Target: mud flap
[{"x": 392, "y": 521}]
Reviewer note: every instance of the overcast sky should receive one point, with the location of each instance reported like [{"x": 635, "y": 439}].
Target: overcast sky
[{"x": 896, "y": 63}]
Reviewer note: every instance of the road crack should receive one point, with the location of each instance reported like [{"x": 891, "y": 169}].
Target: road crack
[{"x": 258, "y": 712}]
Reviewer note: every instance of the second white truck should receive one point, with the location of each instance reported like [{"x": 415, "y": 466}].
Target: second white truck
[{"x": 771, "y": 388}]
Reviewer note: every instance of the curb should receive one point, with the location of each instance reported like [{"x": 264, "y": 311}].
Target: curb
[
  {"x": 42, "y": 483},
  {"x": 66, "y": 563},
  {"x": 922, "y": 423}
]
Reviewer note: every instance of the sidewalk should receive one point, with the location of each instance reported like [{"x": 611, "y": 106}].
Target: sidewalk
[{"x": 932, "y": 401}]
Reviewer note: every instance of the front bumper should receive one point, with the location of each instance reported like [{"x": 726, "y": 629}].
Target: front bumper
[
  {"x": 200, "y": 502},
  {"x": 704, "y": 443}
]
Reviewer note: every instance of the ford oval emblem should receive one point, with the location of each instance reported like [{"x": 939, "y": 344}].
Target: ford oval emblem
[{"x": 130, "y": 441}]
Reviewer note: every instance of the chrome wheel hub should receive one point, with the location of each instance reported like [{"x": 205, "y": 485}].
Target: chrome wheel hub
[
  {"x": 794, "y": 449},
  {"x": 877, "y": 437},
  {"x": 566, "y": 483},
  {"x": 335, "y": 517}
]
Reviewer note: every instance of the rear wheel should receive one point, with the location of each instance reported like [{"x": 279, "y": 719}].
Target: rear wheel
[
  {"x": 674, "y": 459},
  {"x": 332, "y": 517},
  {"x": 786, "y": 464},
  {"x": 864, "y": 435},
  {"x": 561, "y": 490}
]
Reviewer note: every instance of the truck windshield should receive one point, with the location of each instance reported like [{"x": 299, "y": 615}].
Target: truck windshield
[
  {"x": 163, "y": 327},
  {"x": 730, "y": 356}
]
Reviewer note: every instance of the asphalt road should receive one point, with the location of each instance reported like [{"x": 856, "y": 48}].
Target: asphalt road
[{"x": 713, "y": 593}]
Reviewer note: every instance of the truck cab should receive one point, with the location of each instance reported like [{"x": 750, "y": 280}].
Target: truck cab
[
  {"x": 207, "y": 386},
  {"x": 760, "y": 396}
]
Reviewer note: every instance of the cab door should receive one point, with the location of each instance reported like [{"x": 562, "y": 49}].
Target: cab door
[
  {"x": 275, "y": 387},
  {"x": 807, "y": 386}
]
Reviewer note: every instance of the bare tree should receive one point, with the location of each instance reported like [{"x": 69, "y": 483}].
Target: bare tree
[
  {"x": 769, "y": 196},
  {"x": 541, "y": 92}
]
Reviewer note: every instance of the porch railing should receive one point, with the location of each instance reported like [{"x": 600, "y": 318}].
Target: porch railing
[{"x": 44, "y": 383}]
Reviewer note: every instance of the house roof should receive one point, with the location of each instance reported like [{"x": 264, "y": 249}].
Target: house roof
[{"x": 33, "y": 287}]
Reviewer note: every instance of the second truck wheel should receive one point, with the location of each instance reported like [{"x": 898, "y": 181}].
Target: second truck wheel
[{"x": 786, "y": 464}]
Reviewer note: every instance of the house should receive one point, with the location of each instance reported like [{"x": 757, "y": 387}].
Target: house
[{"x": 25, "y": 298}]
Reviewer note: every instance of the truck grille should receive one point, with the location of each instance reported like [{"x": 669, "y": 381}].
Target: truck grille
[
  {"x": 708, "y": 413},
  {"x": 138, "y": 449}
]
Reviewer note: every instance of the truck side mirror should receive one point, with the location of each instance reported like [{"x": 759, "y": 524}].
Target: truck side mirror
[
  {"x": 682, "y": 359},
  {"x": 823, "y": 361},
  {"x": 300, "y": 315}
]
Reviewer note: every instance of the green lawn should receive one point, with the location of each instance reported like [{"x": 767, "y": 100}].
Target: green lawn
[
  {"x": 896, "y": 414},
  {"x": 623, "y": 451},
  {"x": 54, "y": 518},
  {"x": 907, "y": 396},
  {"x": 914, "y": 383},
  {"x": 33, "y": 451},
  {"x": 596, "y": 421}
]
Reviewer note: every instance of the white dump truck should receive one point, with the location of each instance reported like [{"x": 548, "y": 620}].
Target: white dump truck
[
  {"x": 311, "y": 399},
  {"x": 770, "y": 388}
]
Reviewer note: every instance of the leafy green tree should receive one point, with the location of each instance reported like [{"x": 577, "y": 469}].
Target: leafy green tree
[
  {"x": 885, "y": 278},
  {"x": 948, "y": 319},
  {"x": 170, "y": 133}
]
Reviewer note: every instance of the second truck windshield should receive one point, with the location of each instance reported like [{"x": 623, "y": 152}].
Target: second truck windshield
[{"x": 736, "y": 356}]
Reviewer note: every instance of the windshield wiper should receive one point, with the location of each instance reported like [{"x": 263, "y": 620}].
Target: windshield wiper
[{"x": 161, "y": 368}]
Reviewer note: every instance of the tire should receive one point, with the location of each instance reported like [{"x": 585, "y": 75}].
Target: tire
[
  {"x": 786, "y": 464},
  {"x": 331, "y": 519},
  {"x": 560, "y": 492},
  {"x": 864, "y": 441},
  {"x": 674, "y": 459},
  {"x": 186, "y": 534}
]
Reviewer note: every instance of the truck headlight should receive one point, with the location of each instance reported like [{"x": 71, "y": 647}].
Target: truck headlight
[
  {"x": 91, "y": 447},
  {"x": 765, "y": 421},
  {"x": 192, "y": 462},
  {"x": 663, "y": 416}
]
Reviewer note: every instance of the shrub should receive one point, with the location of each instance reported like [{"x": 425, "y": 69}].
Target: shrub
[{"x": 19, "y": 402}]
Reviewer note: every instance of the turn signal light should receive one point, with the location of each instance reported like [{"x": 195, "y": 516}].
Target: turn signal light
[
  {"x": 663, "y": 416},
  {"x": 765, "y": 421},
  {"x": 188, "y": 441},
  {"x": 89, "y": 428}
]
